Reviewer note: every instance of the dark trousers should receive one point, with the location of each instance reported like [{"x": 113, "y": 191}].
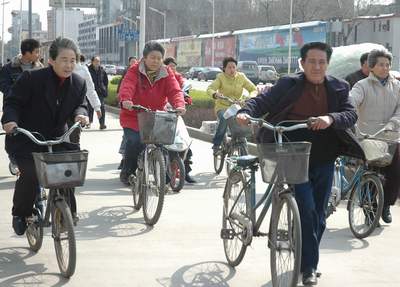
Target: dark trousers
[
  {"x": 188, "y": 161},
  {"x": 133, "y": 148},
  {"x": 391, "y": 185},
  {"x": 103, "y": 112},
  {"x": 312, "y": 199},
  {"x": 90, "y": 112}
]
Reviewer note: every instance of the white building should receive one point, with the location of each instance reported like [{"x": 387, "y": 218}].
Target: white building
[
  {"x": 72, "y": 19},
  {"x": 87, "y": 36}
]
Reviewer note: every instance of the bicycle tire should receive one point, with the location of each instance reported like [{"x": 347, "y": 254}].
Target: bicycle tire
[
  {"x": 276, "y": 244},
  {"x": 62, "y": 223},
  {"x": 371, "y": 210},
  {"x": 235, "y": 248},
  {"x": 336, "y": 185},
  {"x": 34, "y": 233},
  {"x": 177, "y": 173},
  {"x": 239, "y": 149},
  {"x": 157, "y": 188},
  {"x": 137, "y": 190}
]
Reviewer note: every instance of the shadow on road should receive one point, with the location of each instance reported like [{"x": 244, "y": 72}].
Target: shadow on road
[
  {"x": 110, "y": 221},
  {"x": 112, "y": 167},
  {"x": 342, "y": 240},
  {"x": 105, "y": 187},
  {"x": 5, "y": 185},
  {"x": 206, "y": 180},
  {"x": 203, "y": 274}
]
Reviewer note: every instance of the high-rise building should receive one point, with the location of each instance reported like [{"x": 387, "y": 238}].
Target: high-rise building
[
  {"x": 87, "y": 36},
  {"x": 72, "y": 19}
]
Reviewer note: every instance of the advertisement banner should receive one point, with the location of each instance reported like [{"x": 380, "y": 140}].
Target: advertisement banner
[
  {"x": 271, "y": 47},
  {"x": 189, "y": 53},
  {"x": 223, "y": 47}
]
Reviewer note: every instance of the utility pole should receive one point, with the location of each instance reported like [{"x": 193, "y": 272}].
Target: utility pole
[
  {"x": 30, "y": 19},
  {"x": 2, "y": 34},
  {"x": 142, "y": 33}
]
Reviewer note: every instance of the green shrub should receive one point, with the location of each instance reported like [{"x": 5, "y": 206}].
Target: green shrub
[
  {"x": 201, "y": 99},
  {"x": 115, "y": 80},
  {"x": 112, "y": 98}
]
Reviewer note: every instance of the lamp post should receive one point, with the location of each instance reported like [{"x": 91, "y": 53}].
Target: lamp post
[
  {"x": 164, "y": 14},
  {"x": 213, "y": 31},
  {"x": 63, "y": 18},
  {"x": 290, "y": 36},
  {"x": 142, "y": 34},
  {"x": 2, "y": 34}
]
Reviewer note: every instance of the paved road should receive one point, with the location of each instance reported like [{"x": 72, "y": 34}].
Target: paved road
[{"x": 116, "y": 248}]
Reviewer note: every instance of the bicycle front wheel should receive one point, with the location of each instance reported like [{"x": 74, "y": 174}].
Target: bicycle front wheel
[
  {"x": 285, "y": 242},
  {"x": 237, "y": 150},
  {"x": 365, "y": 206},
  {"x": 64, "y": 238},
  {"x": 236, "y": 227},
  {"x": 176, "y": 171},
  {"x": 153, "y": 197},
  {"x": 137, "y": 190},
  {"x": 34, "y": 232}
]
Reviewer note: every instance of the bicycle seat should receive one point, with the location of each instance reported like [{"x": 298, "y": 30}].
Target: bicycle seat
[{"x": 246, "y": 160}]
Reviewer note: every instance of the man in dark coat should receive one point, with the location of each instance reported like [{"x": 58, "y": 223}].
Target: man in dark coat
[
  {"x": 360, "y": 74},
  {"x": 41, "y": 101},
  {"x": 299, "y": 97},
  {"x": 100, "y": 81}
]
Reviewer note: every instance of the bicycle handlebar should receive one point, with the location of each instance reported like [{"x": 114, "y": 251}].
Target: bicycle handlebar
[
  {"x": 60, "y": 140},
  {"x": 147, "y": 110},
  {"x": 222, "y": 97},
  {"x": 279, "y": 129}
]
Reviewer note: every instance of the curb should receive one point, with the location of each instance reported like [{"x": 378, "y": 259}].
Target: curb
[{"x": 193, "y": 132}]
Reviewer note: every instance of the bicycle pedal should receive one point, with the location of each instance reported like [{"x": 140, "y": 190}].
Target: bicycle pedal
[{"x": 227, "y": 233}]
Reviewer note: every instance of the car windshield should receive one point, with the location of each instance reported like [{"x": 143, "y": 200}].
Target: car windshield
[
  {"x": 249, "y": 66},
  {"x": 268, "y": 69}
]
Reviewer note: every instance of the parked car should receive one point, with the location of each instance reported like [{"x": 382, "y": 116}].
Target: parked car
[
  {"x": 267, "y": 74},
  {"x": 120, "y": 70},
  {"x": 208, "y": 73},
  {"x": 110, "y": 69},
  {"x": 193, "y": 72},
  {"x": 250, "y": 69}
]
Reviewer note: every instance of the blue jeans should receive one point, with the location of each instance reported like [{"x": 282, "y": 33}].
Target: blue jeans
[
  {"x": 312, "y": 199},
  {"x": 133, "y": 148},
  {"x": 221, "y": 128}
]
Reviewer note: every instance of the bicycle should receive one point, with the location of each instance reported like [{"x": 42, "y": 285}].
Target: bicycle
[
  {"x": 364, "y": 188},
  {"x": 148, "y": 190},
  {"x": 59, "y": 172},
  {"x": 282, "y": 165},
  {"x": 237, "y": 144}
]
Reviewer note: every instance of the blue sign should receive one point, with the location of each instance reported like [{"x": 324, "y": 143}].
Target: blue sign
[{"x": 126, "y": 34}]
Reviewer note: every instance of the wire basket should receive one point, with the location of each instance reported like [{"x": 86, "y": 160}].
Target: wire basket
[
  {"x": 157, "y": 127},
  {"x": 284, "y": 163},
  {"x": 238, "y": 131},
  {"x": 61, "y": 169},
  {"x": 378, "y": 152}
]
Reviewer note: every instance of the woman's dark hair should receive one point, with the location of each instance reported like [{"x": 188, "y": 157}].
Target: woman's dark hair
[
  {"x": 29, "y": 45},
  {"x": 170, "y": 60},
  {"x": 62, "y": 43},
  {"x": 375, "y": 54},
  {"x": 226, "y": 61},
  {"x": 82, "y": 58},
  {"x": 318, "y": 46},
  {"x": 153, "y": 46}
]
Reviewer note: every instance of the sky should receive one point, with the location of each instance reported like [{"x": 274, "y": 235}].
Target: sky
[{"x": 41, "y": 7}]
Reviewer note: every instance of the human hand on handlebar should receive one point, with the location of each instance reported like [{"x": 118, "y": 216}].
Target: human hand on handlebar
[
  {"x": 320, "y": 123},
  {"x": 84, "y": 120},
  {"x": 242, "y": 119},
  {"x": 217, "y": 95},
  {"x": 180, "y": 111},
  {"x": 127, "y": 105},
  {"x": 9, "y": 127}
]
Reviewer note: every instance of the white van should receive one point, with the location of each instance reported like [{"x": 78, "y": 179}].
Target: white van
[{"x": 250, "y": 69}]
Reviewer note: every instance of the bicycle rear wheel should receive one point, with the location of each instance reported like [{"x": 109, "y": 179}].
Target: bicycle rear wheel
[
  {"x": 153, "y": 196},
  {"x": 285, "y": 242},
  {"x": 176, "y": 172},
  {"x": 365, "y": 206},
  {"x": 236, "y": 225},
  {"x": 64, "y": 238}
]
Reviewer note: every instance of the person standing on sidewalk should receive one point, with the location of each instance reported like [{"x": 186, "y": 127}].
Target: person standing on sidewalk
[
  {"x": 298, "y": 97},
  {"x": 100, "y": 80}
]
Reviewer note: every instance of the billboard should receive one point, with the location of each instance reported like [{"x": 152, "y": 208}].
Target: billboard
[
  {"x": 223, "y": 47},
  {"x": 170, "y": 50},
  {"x": 189, "y": 53},
  {"x": 271, "y": 47},
  {"x": 74, "y": 3}
]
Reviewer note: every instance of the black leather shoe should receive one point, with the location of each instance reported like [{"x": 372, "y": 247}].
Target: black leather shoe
[
  {"x": 386, "y": 215},
  {"x": 190, "y": 179},
  {"x": 121, "y": 164},
  {"x": 103, "y": 127},
  {"x": 124, "y": 178},
  {"x": 310, "y": 278},
  {"x": 19, "y": 225}
]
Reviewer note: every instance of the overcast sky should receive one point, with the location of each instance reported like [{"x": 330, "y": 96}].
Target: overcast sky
[{"x": 41, "y": 7}]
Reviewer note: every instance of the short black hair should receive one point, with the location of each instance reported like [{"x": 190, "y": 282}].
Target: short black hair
[
  {"x": 318, "y": 46},
  {"x": 131, "y": 57},
  {"x": 170, "y": 60},
  {"x": 29, "y": 45},
  {"x": 62, "y": 43},
  {"x": 375, "y": 54},
  {"x": 227, "y": 60},
  {"x": 82, "y": 58},
  {"x": 364, "y": 58},
  {"x": 153, "y": 46}
]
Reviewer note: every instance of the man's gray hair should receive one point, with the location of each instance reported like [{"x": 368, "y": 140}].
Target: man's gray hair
[
  {"x": 62, "y": 43},
  {"x": 375, "y": 54}
]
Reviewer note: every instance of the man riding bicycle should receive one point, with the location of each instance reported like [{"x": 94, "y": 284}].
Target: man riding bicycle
[
  {"x": 41, "y": 101},
  {"x": 298, "y": 97}
]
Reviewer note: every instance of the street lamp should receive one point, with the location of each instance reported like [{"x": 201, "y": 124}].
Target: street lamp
[
  {"x": 213, "y": 31},
  {"x": 290, "y": 36},
  {"x": 164, "y": 14},
  {"x": 142, "y": 34},
  {"x": 2, "y": 33}
]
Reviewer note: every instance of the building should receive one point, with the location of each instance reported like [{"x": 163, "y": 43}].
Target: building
[
  {"x": 72, "y": 19},
  {"x": 109, "y": 47},
  {"x": 108, "y": 11},
  {"x": 87, "y": 36}
]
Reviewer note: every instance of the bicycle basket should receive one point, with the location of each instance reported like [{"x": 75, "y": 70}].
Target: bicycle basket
[
  {"x": 157, "y": 127},
  {"x": 378, "y": 152},
  {"x": 237, "y": 130},
  {"x": 61, "y": 169},
  {"x": 285, "y": 163}
]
